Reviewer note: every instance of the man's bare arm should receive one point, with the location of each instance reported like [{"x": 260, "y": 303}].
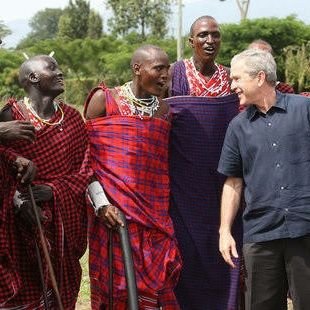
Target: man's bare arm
[{"x": 231, "y": 197}]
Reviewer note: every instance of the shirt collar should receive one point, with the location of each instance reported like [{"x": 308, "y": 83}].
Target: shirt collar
[{"x": 281, "y": 104}]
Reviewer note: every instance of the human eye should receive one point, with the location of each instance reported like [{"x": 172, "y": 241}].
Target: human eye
[
  {"x": 158, "y": 68},
  {"x": 202, "y": 34},
  {"x": 216, "y": 35}
]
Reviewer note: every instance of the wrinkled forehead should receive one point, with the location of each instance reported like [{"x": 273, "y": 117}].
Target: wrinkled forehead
[{"x": 206, "y": 24}]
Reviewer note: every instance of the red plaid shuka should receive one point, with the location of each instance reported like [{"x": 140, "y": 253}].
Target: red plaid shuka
[
  {"x": 130, "y": 159},
  {"x": 61, "y": 155},
  {"x": 305, "y": 93},
  {"x": 217, "y": 85},
  {"x": 284, "y": 88}
]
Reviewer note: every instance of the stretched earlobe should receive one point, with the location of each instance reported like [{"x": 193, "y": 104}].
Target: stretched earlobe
[
  {"x": 33, "y": 77},
  {"x": 190, "y": 42},
  {"x": 136, "y": 69}
]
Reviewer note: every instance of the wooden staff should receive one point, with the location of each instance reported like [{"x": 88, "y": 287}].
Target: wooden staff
[
  {"x": 45, "y": 250},
  {"x": 128, "y": 264}
]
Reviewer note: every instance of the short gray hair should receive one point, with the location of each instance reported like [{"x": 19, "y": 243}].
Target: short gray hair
[{"x": 256, "y": 60}]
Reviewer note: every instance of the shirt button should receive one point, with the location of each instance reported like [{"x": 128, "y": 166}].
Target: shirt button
[
  {"x": 286, "y": 209},
  {"x": 282, "y": 187},
  {"x": 269, "y": 124},
  {"x": 278, "y": 165},
  {"x": 274, "y": 144}
]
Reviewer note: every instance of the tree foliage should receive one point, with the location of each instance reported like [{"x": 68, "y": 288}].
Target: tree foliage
[
  {"x": 44, "y": 24},
  {"x": 280, "y": 33},
  {"x": 4, "y": 30},
  {"x": 87, "y": 61},
  {"x": 74, "y": 22},
  {"x": 297, "y": 65},
  {"x": 144, "y": 16},
  {"x": 94, "y": 27}
]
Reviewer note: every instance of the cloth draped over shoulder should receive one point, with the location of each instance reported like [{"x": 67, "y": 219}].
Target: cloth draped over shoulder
[
  {"x": 186, "y": 80},
  {"x": 129, "y": 156},
  {"x": 61, "y": 155},
  {"x": 198, "y": 129}
]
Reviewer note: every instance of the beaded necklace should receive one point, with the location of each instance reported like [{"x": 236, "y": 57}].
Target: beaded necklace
[
  {"x": 42, "y": 120},
  {"x": 142, "y": 106}
]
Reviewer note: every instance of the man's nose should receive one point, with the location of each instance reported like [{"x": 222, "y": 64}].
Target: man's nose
[{"x": 210, "y": 37}]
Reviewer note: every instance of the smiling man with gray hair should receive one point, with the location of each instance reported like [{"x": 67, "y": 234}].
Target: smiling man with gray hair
[{"x": 267, "y": 151}]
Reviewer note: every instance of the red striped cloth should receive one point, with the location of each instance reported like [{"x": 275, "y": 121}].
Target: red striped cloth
[
  {"x": 217, "y": 85},
  {"x": 130, "y": 159},
  {"x": 61, "y": 155}
]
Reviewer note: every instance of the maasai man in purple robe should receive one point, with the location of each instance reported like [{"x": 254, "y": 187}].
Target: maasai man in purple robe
[{"x": 202, "y": 109}]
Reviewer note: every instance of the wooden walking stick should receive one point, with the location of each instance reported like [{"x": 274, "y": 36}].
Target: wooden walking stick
[
  {"x": 45, "y": 250},
  {"x": 44, "y": 288},
  {"x": 128, "y": 264}
]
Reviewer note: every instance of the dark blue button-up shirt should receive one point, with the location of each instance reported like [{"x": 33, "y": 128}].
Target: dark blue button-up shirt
[{"x": 271, "y": 152}]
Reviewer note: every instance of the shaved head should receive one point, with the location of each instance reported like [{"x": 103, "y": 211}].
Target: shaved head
[
  {"x": 199, "y": 19},
  {"x": 144, "y": 53},
  {"x": 262, "y": 45},
  {"x": 31, "y": 65}
]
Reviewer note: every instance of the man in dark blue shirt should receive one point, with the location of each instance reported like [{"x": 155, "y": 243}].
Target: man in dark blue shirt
[{"x": 267, "y": 152}]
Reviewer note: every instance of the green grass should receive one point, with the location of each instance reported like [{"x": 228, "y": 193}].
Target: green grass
[{"x": 83, "y": 302}]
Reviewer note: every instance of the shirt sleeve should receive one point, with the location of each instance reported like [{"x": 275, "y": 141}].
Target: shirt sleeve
[{"x": 230, "y": 163}]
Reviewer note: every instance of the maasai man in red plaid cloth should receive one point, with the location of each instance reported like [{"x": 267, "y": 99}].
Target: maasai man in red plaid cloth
[
  {"x": 60, "y": 154},
  {"x": 129, "y": 130},
  {"x": 265, "y": 46}
]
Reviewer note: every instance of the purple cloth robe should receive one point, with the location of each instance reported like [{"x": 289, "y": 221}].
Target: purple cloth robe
[{"x": 198, "y": 129}]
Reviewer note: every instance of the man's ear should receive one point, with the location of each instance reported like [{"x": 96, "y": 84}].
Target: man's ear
[
  {"x": 136, "y": 69},
  {"x": 261, "y": 76},
  {"x": 190, "y": 41},
  {"x": 33, "y": 77}
]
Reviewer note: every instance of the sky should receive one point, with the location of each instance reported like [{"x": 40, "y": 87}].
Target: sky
[{"x": 16, "y": 13}]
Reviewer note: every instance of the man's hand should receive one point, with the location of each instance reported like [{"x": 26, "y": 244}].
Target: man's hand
[
  {"x": 228, "y": 248},
  {"x": 40, "y": 192},
  {"x": 110, "y": 216},
  {"x": 17, "y": 130},
  {"x": 26, "y": 170}
]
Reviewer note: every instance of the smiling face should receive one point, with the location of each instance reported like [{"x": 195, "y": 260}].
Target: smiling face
[
  {"x": 245, "y": 85},
  {"x": 50, "y": 77},
  {"x": 205, "y": 39},
  {"x": 41, "y": 73}
]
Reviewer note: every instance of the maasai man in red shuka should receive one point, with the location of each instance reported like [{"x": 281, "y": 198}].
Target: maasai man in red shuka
[
  {"x": 129, "y": 128},
  {"x": 60, "y": 154},
  {"x": 202, "y": 106}
]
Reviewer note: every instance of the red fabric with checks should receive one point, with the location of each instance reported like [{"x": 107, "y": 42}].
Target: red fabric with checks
[
  {"x": 130, "y": 159},
  {"x": 284, "y": 88},
  {"x": 62, "y": 157},
  {"x": 217, "y": 85},
  {"x": 306, "y": 94}
]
